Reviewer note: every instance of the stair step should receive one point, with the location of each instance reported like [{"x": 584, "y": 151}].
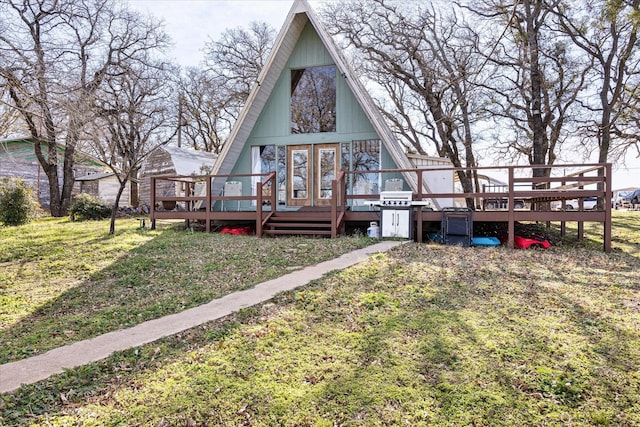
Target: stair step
[
  {"x": 290, "y": 231},
  {"x": 306, "y": 218},
  {"x": 298, "y": 224}
]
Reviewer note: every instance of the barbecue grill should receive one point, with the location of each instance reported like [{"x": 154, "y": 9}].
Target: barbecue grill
[{"x": 396, "y": 212}]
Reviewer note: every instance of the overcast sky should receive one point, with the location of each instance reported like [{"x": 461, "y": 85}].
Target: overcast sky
[{"x": 191, "y": 23}]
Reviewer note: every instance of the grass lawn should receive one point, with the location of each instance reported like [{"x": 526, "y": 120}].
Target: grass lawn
[
  {"x": 63, "y": 281},
  {"x": 421, "y": 335}
]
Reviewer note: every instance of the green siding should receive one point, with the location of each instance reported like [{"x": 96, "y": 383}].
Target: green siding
[
  {"x": 273, "y": 119},
  {"x": 24, "y": 150},
  {"x": 386, "y": 161},
  {"x": 351, "y": 117},
  {"x": 309, "y": 51},
  {"x": 273, "y": 125}
]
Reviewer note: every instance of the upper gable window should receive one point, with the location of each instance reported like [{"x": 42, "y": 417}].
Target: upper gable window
[{"x": 313, "y": 99}]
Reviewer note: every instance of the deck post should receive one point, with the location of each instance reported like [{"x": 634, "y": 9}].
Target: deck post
[
  {"x": 152, "y": 208},
  {"x": 208, "y": 206},
  {"x": 334, "y": 208},
  {"x": 343, "y": 203},
  {"x": 563, "y": 224},
  {"x": 185, "y": 188},
  {"x": 418, "y": 211},
  {"x": 274, "y": 191},
  {"x": 338, "y": 199},
  {"x": 511, "y": 228},
  {"x": 259, "y": 208},
  {"x": 608, "y": 195},
  {"x": 580, "y": 206}
]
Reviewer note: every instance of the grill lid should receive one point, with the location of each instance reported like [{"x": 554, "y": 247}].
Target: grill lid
[{"x": 396, "y": 198}]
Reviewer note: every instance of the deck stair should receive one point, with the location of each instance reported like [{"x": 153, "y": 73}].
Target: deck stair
[{"x": 299, "y": 223}]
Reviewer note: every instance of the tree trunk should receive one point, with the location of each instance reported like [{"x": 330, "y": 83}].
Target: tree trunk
[
  {"x": 134, "y": 188},
  {"x": 55, "y": 202},
  {"x": 604, "y": 138},
  {"x": 50, "y": 167},
  {"x": 445, "y": 130},
  {"x": 540, "y": 145},
  {"x": 116, "y": 205}
]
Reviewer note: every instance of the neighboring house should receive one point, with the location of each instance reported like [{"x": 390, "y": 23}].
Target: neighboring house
[
  {"x": 105, "y": 186},
  {"x": 309, "y": 117},
  {"x": 172, "y": 160},
  {"x": 18, "y": 160}
]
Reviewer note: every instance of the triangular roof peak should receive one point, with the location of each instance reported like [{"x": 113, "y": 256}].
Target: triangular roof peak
[
  {"x": 299, "y": 15},
  {"x": 300, "y": 6}
]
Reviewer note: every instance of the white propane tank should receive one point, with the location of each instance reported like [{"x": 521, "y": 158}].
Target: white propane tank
[{"x": 373, "y": 230}]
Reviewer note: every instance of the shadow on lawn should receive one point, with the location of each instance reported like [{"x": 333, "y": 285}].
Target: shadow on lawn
[
  {"x": 537, "y": 342},
  {"x": 95, "y": 381},
  {"x": 99, "y": 304},
  {"x": 486, "y": 349},
  {"x": 438, "y": 335},
  {"x": 172, "y": 272}
]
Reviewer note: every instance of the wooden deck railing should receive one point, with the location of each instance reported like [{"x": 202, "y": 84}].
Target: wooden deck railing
[
  {"x": 200, "y": 197},
  {"x": 181, "y": 198}
]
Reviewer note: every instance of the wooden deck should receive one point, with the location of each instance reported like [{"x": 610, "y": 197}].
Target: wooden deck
[{"x": 194, "y": 201}]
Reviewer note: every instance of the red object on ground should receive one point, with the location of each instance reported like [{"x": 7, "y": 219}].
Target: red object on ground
[
  {"x": 237, "y": 230},
  {"x": 520, "y": 242}
]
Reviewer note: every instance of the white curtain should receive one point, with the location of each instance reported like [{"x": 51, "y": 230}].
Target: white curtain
[{"x": 256, "y": 167}]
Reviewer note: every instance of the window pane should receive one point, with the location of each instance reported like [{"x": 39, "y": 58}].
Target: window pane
[
  {"x": 345, "y": 163},
  {"x": 267, "y": 158},
  {"x": 346, "y": 156},
  {"x": 300, "y": 173},
  {"x": 313, "y": 100},
  {"x": 366, "y": 157},
  {"x": 282, "y": 174},
  {"x": 267, "y": 164},
  {"x": 327, "y": 165}
]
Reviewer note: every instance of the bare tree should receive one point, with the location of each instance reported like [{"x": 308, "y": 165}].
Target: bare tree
[
  {"x": 237, "y": 58},
  {"x": 536, "y": 79},
  {"x": 54, "y": 55},
  {"x": 9, "y": 117},
  {"x": 212, "y": 97},
  {"x": 207, "y": 110},
  {"x": 607, "y": 33},
  {"x": 133, "y": 119},
  {"x": 426, "y": 63}
]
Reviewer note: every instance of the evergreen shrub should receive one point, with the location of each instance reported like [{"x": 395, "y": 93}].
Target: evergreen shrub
[
  {"x": 87, "y": 207},
  {"x": 17, "y": 203}
]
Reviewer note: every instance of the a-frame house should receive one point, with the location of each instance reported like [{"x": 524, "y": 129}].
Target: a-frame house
[
  {"x": 312, "y": 154},
  {"x": 308, "y": 150}
]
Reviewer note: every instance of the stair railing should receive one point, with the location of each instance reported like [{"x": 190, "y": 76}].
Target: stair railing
[
  {"x": 338, "y": 203},
  {"x": 273, "y": 200}
]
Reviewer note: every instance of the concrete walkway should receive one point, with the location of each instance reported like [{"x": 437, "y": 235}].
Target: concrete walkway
[{"x": 40, "y": 367}]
